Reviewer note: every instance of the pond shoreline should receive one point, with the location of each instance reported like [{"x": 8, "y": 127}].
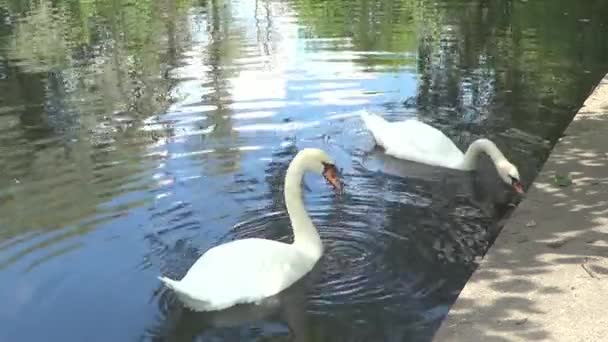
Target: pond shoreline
[{"x": 543, "y": 277}]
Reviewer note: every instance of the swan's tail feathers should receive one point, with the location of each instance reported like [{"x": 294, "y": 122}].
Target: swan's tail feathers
[
  {"x": 170, "y": 283},
  {"x": 376, "y": 125},
  {"x": 182, "y": 294},
  {"x": 373, "y": 122}
]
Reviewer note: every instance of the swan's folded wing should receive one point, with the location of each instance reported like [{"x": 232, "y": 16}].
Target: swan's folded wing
[
  {"x": 245, "y": 271},
  {"x": 417, "y": 141}
]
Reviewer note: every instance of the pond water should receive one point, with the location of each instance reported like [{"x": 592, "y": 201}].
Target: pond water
[{"x": 137, "y": 134}]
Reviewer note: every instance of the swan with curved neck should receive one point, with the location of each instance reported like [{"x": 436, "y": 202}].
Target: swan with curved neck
[
  {"x": 416, "y": 141},
  {"x": 249, "y": 270}
]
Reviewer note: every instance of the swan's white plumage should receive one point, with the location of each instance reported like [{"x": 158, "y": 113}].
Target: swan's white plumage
[
  {"x": 414, "y": 140},
  {"x": 220, "y": 278},
  {"x": 249, "y": 270}
]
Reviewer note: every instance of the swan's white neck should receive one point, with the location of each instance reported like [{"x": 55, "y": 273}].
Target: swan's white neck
[
  {"x": 469, "y": 161},
  {"x": 306, "y": 237}
]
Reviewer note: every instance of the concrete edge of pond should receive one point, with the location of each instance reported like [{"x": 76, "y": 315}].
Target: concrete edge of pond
[{"x": 545, "y": 278}]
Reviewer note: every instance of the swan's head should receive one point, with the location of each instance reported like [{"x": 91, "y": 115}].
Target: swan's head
[
  {"x": 510, "y": 175},
  {"x": 319, "y": 161}
]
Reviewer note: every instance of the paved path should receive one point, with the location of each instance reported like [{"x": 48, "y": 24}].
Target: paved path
[{"x": 546, "y": 276}]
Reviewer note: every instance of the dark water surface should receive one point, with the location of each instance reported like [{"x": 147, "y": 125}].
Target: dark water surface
[{"x": 137, "y": 134}]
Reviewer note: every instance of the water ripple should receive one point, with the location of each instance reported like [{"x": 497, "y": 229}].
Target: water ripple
[{"x": 354, "y": 268}]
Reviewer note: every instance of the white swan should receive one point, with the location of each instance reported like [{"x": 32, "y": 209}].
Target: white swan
[
  {"x": 249, "y": 270},
  {"x": 419, "y": 142}
]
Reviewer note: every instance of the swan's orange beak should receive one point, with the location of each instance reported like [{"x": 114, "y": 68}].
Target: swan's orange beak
[
  {"x": 331, "y": 175},
  {"x": 519, "y": 188}
]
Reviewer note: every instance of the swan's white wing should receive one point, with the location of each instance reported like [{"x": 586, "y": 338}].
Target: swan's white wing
[
  {"x": 414, "y": 140},
  {"x": 244, "y": 271}
]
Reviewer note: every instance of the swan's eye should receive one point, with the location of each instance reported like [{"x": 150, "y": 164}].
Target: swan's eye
[{"x": 327, "y": 166}]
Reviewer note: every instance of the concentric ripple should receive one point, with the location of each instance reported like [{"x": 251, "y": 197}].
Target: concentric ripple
[{"x": 354, "y": 268}]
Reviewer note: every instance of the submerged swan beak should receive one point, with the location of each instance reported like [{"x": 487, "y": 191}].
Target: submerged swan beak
[
  {"x": 331, "y": 175},
  {"x": 519, "y": 188}
]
